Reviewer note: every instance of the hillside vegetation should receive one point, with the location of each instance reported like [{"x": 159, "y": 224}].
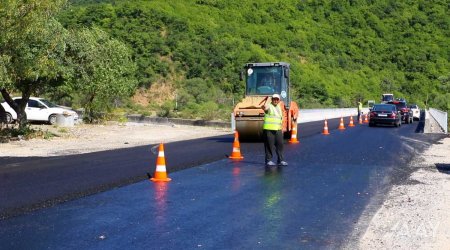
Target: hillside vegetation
[{"x": 339, "y": 51}]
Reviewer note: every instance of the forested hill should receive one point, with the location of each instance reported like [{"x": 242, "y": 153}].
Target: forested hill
[{"x": 339, "y": 51}]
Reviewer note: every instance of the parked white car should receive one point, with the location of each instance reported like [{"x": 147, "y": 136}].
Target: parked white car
[
  {"x": 39, "y": 109},
  {"x": 415, "y": 110}
]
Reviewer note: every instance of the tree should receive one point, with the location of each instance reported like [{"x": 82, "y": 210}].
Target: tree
[
  {"x": 37, "y": 54},
  {"x": 4, "y": 83},
  {"x": 103, "y": 71},
  {"x": 31, "y": 50}
]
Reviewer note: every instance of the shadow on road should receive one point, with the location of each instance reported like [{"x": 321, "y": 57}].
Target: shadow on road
[
  {"x": 443, "y": 168},
  {"x": 421, "y": 126}
]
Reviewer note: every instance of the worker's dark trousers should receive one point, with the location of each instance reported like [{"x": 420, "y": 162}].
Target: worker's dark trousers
[{"x": 273, "y": 138}]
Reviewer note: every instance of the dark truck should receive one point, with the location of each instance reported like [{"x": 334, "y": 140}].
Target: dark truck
[{"x": 387, "y": 98}]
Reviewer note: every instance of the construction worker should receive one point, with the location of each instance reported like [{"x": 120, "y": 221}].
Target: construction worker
[
  {"x": 359, "y": 109},
  {"x": 272, "y": 131}
]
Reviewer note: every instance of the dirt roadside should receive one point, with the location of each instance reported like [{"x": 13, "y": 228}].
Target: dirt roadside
[
  {"x": 85, "y": 138},
  {"x": 414, "y": 215}
]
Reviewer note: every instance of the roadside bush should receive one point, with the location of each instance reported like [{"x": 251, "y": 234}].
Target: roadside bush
[
  {"x": 166, "y": 110},
  {"x": 25, "y": 133},
  {"x": 209, "y": 111}
]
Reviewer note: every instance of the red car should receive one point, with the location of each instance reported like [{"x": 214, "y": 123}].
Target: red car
[{"x": 407, "y": 115}]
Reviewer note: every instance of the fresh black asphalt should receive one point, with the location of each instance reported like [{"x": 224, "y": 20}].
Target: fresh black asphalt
[
  {"x": 213, "y": 203},
  {"x": 29, "y": 183}
]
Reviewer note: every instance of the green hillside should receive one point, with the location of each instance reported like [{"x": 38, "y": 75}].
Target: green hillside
[{"x": 339, "y": 51}]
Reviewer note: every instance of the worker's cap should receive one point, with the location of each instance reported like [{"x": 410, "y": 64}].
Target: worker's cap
[{"x": 276, "y": 96}]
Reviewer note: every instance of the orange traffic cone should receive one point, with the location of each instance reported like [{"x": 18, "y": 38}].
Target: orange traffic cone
[
  {"x": 160, "y": 172},
  {"x": 366, "y": 120},
  {"x": 351, "y": 122},
  {"x": 236, "y": 154},
  {"x": 360, "y": 119},
  {"x": 325, "y": 128},
  {"x": 341, "y": 124},
  {"x": 294, "y": 133}
]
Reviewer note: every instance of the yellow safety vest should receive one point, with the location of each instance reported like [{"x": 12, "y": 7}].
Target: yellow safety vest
[{"x": 273, "y": 118}]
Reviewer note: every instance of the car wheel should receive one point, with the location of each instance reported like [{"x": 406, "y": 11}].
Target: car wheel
[
  {"x": 9, "y": 118},
  {"x": 52, "y": 119}
]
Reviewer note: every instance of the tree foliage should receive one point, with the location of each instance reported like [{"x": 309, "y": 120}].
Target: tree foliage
[
  {"x": 31, "y": 49},
  {"x": 339, "y": 50},
  {"x": 103, "y": 71},
  {"x": 38, "y": 56}
]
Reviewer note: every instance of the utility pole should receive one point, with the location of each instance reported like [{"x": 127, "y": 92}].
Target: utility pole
[{"x": 176, "y": 102}]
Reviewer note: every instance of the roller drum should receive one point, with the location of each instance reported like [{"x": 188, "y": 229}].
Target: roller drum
[{"x": 250, "y": 129}]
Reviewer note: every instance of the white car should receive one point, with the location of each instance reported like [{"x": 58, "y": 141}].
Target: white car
[
  {"x": 416, "y": 111},
  {"x": 38, "y": 109}
]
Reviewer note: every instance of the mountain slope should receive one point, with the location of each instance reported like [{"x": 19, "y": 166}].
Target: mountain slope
[{"x": 339, "y": 51}]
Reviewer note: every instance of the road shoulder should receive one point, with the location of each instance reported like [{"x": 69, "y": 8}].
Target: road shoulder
[{"x": 414, "y": 214}]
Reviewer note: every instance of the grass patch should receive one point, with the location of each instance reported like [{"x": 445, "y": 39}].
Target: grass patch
[{"x": 63, "y": 130}]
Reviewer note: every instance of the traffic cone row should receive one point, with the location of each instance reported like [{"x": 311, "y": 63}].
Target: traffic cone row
[
  {"x": 160, "y": 174},
  {"x": 341, "y": 124}
]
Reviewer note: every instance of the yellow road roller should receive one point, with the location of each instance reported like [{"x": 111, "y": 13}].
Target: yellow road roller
[{"x": 262, "y": 80}]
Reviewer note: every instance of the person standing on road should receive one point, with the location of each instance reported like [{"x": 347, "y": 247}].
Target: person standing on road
[
  {"x": 359, "y": 109},
  {"x": 272, "y": 131}
]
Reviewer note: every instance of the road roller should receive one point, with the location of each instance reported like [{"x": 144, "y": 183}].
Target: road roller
[{"x": 262, "y": 80}]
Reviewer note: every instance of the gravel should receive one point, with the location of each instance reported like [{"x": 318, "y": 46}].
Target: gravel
[{"x": 415, "y": 214}]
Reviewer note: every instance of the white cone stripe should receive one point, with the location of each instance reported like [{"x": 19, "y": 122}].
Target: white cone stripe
[
  {"x": 161, "y": 154},
  {"x": 236, "y": 150},
  {"x": 160, "y": 168}
]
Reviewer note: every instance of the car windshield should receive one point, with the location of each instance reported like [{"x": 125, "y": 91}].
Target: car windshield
[
  {"x": 387, "y": 97},
  {"x": 48, "y": 103},
  {"x": 386, "y": 107}
]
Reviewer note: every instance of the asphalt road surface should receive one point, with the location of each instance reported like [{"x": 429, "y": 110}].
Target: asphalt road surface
[{"x": 214, "y": 202}]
